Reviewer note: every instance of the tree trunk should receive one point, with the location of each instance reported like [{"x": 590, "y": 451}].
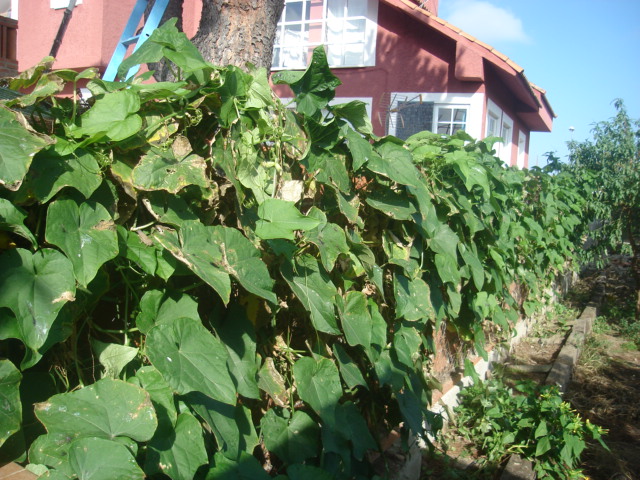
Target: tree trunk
[{"x": 236, "y": 32}]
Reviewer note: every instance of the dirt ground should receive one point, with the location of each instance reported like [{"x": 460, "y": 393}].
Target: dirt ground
[{"x": 605, "y": 387}]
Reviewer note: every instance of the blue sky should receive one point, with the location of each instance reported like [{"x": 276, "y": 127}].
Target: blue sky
[{"x": 583, "y": 53}]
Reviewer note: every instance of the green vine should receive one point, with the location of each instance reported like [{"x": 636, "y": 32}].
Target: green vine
[{"x": 286, "y": 270}]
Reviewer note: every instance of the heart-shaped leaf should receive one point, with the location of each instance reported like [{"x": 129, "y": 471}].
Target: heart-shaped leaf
[
  {"x": 85, "y": 233},
  {"x": 18, "y": 145},
  {"x": 35, "y": 287},
  {"x": 191, "y": 359},
  {"x": 106, "y": 409}
]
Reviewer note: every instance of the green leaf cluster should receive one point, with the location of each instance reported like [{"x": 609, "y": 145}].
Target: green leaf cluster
[
  {"x": 533, "y": 422},
  {"x": 198, "y": 281}
]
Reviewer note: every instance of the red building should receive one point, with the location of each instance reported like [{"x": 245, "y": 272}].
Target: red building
[{"x": 415, "y": 70}]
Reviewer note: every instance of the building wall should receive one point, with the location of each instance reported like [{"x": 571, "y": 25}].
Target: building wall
[
  {"x": 498, "y": 93},
  {"x": 91, "y": 36},
  {"x": 409, "y": 58}
]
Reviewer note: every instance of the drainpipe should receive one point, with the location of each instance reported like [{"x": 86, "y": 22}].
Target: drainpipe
[{"x": 63, "y": 28}]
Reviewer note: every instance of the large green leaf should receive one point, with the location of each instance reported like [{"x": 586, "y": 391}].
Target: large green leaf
[
  {"x": 231, "y": 425},
  {"x": 315, "y": 87},
  {"x": 152, "y": 258},
  {"x": 102, "y": 459},
  {"x": 239, "y": 337},
  {"x": 329, "y": 238},
  {"x": 10, "y": 406},
  {"x": 52, "y": 450},
  {"x": 191, "y": 359},
  {"x": 351, "y": 374},
  {"x": 353, "y": 427},
  {"x": 85, "y": 233},
  {"x": 214, "y": 253},
  {"x": 163, "y": 306},
  {"x": 50, "y": 172},
  {"x": 241, "y": 259},
  {"x": 447, "y": 268},
  {"x": 445, "y": 241},
  {"x": 361, "y": 150},
  {"x": 169, "y": 170},
  {"x": 315, "y": 291},
  {"x": 293, "y": 438},
  {"x": 329, "y": 168},
  {"x": 114, "y": 115},
  {"x": 280, "y": 219},
  {"x": 162, "y": 396},
  {"x": 246, "y": 468},
  {"x": 396, "y": 163},
  {"x": 180, "y": 454},
  {"x": 106, "y": 409},
  {"x": 113, "y": 357},
  {"x": 394, "y": 204},
  {"x": 413, "y": 300},
  {"x": 356, "y": 319},
  {"x": 35, "y": 287},
  {"x": 12, "y": 220},
  {"x": 318, "y": 383},
  {"x": 308, "y": 472},
  {"x": 406, "y": 342},
  {"x": 18, "y": 145},
  {"x": 355, "y": 112}
]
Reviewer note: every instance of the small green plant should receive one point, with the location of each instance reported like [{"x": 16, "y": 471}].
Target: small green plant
[{"x": 536, "y": 424}]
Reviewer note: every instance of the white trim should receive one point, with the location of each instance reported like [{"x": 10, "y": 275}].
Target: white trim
[
  {"x": 472, "y": 101},
  {"x": 522, "y": 148},
  {"x": 506, "y": 132},
  {"x": 504, "y": 122}
]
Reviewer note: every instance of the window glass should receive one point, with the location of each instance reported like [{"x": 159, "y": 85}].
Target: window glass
[
  {"x": 343, "y": 26},
  {"x": 293, "y": 12},
  {"x": 450, "y": 120}
]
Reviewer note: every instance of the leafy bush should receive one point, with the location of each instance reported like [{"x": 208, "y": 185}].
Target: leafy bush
[
  {"x": 534, "y": 423},
  {"x": 198, "y": 282}
]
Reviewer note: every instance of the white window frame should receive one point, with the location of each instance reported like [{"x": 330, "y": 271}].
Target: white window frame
[
  {"x": 522, "y": 148},
  {"x": 58, "y": 4},
  {"x": 504, "y": 122},
  {"x": 506, "y": 132},
  {"x": 370, "y": 34},
  {"x": 473, "y": 102}
]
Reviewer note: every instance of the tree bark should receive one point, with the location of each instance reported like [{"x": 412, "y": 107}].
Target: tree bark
[{"x": 237, "y": 32}]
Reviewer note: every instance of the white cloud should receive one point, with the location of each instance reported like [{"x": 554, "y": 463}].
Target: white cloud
[{"x": 487, "y": 22}]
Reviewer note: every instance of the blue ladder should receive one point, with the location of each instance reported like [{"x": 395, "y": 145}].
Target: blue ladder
[{"x": 129, "y": 36}]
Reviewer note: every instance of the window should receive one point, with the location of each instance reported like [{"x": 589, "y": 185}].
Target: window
[
  {"x": 522, "y": 143},
  {"x": 499, "y": 124},
  {"x": 347, "y": 28},
  {"x": 507, "y": 139},
  {"x": 415, "y": 116},
  {"x": 450, "y": 119},
  {"x": 410, "y": 113}
]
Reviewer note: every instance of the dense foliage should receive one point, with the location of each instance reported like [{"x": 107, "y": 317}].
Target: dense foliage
[
  {"x": 199, "y": 282},
  {"x": 608, "y": 168},
  {"x": 533, "y": 422}
]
